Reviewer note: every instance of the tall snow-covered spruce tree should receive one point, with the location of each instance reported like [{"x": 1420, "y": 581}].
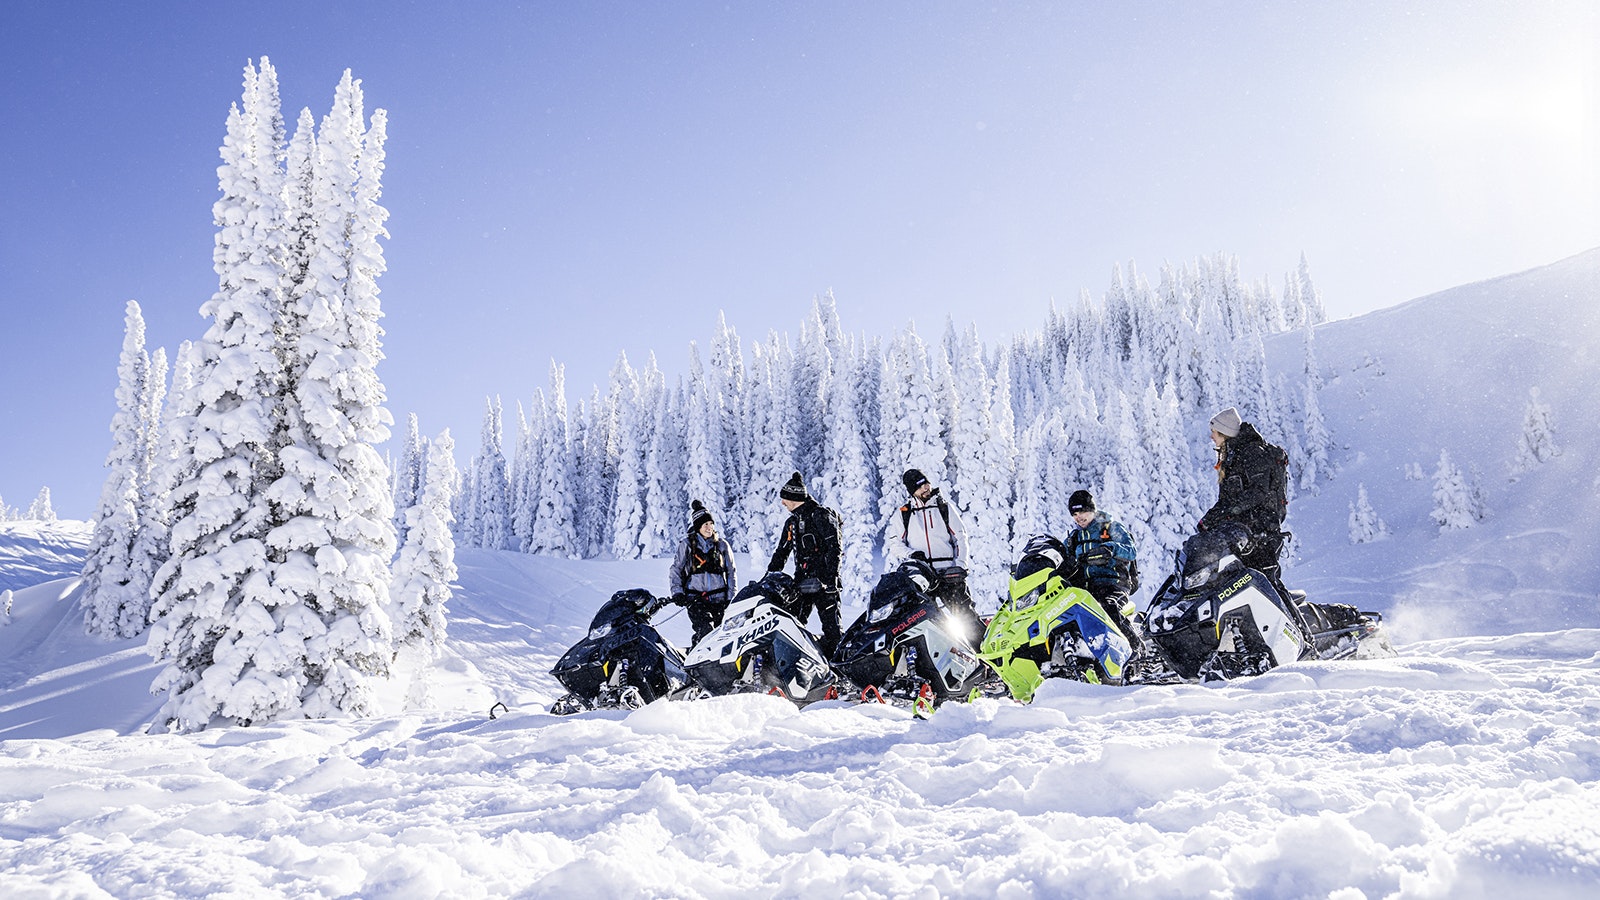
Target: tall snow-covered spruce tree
[
  {"x": 273, "y": 603},
  {"x": 116, "y": 580}
]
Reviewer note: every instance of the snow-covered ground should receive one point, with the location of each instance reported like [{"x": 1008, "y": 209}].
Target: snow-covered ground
[{"x": 1468, "y": 766}]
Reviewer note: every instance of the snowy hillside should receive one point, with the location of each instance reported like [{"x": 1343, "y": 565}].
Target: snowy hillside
[
  {"x": 1466, "y": 767},
  {"x": 1453, "y": 371},
  {"x": 33, "y": 552}
]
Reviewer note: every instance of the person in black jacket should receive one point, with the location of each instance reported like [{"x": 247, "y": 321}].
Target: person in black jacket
[
  {"x": 811, "y": 533},
  {"x": 1252, "y": 490}
]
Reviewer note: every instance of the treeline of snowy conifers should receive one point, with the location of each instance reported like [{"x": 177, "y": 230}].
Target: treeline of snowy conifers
[
  {"x": 1113, "y": 395},
  {"x": 40, "y": 510}
]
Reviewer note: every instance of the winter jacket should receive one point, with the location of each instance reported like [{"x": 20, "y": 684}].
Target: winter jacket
[
  {"x": 1105, "y": 553},
  {"x": 811, "y": 533},
  {"x": 1252, "y": 484},
  {"x": 703, "y": 567},
  {"x": 935, "y": 529}
]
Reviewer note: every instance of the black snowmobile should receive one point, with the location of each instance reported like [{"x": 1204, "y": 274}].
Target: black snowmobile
[
  {"x": 1216, "y": 619},
  {"x": 761, "y": 647},
  {"x": 911, "y": 644},
  {"x": 623, "y": 662}
]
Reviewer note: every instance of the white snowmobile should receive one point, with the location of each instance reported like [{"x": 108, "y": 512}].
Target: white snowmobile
[
  {"x": 761, "y": 647},
  {"x": 1216, "y": 619}
]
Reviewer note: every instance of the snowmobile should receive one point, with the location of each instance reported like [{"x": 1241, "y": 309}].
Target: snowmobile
[
  {"x": 911, "y": 644},
  {"x": 1216, "y": 619},
  {"x": 623, "y": 662},
  {"x": 1048, "y": 628},
  {"x": 760, "y": 646}
]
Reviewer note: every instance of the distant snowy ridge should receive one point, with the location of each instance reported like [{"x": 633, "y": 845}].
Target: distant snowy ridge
[{"x": 34, "y": 552}]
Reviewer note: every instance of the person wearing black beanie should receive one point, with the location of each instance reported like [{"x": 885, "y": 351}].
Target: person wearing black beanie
[
  {"x": 702, "y": 577},
  {"x": 1107, "y": 562},
  {"x": 812, "y": 534}
]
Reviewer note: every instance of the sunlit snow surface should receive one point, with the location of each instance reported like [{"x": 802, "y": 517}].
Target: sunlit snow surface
[{"x": 1461, "y": 768}]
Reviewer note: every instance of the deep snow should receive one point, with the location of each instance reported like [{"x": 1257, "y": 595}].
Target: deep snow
[{"x": 1465, "y": 767}]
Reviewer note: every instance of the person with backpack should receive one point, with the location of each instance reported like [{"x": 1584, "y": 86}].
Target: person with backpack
[
  {"x": 1107, "y": 562},
  {"x": 1252, "y": 491},
  {"x": 702, "y": 577},
  {"x": 812, "y": 535},
  {"x": 931, "y": 527}
]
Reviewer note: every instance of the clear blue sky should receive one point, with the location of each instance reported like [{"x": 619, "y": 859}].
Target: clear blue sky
[{"x": 572, "y": 180}]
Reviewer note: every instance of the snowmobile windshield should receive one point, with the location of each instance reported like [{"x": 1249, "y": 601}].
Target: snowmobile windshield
[
  {"x": 1205, "y": 556},
  {"x": 893, "y": 589},
  {"x": 623, "y": 606},
  {"x": 1028, "y": 582}
]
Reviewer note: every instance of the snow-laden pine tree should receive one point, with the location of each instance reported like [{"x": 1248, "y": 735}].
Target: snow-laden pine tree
[
  {"x": 990, "y": 525},
  {"x": 1365, "y": 526},
  {"x": 1537, "y": 443},
  {"x": 40, "y": 509},
  {"x": 426, "y": 566},
  {"x": 215, "y": 601},
  {"x": 493, "y": 506},
  {"x": 768, "y": 419},
  {"x": 728, "y": 380},
  {"x": 666, "y": 501},
  {"x": 555, "y": 530},
  {"x": 848, "y": 473},
  {"x": 116, "y": 588},
  {"x": 332, "y": 634},
  {"x": 1452, "y": 498},
  {"x": 408, "y": 475},
  {"x": 703, "y": 467},
  {"x": 529, "y": 460},
  {"x": 627, "y": 510},
  {"x": 597, "y": 476},
  {"x": 911, "y": 427}
]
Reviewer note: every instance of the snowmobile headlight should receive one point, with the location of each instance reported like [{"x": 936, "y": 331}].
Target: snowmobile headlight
[
  {"x": 599, "y": 631},
  {"x": 879, "y": 613},
  {"x": 1028, "y": 599}
]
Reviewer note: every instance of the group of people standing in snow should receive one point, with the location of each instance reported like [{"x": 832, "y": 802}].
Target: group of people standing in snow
[{"x": 1251, "y": 477}]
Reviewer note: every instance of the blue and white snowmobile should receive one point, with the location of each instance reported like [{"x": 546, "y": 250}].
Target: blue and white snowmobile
[
  {"x": 1216, "y": 619},
  {"x": 761, "y": 647},
  {"x": 623, "y": 662}
]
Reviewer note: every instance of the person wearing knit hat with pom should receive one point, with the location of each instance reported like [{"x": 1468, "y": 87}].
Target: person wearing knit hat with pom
[
  {"x": 811, "y": 533},
  {"x": 702, "y": 577}
]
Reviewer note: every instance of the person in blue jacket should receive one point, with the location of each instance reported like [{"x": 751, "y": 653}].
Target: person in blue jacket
[{"x": 1107, "y": 561}]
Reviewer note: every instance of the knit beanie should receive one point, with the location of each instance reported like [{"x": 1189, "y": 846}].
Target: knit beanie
[
  {"x": 1227, "y": 422},
  {"x": 914, "y": 479},
  {"x": 698, "y": 515},
  {"x": 794, "y": 489},
  {"x": 1081, "y": 501}
]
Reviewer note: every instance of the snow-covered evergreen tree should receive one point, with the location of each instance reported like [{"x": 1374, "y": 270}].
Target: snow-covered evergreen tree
[
  {"x": 848, "y": 475},
  {"x": 116, "y": 589},
  {"x": 768, "y": 419},
  {"x": 703, "y": 467},
  {"x": 334, "y": 547},
  {"x": 1365, "y": 526},
  {"x": 1537, "y": 442},
  {"x": 408, "y": 475},
  {"x": 273, "y": 603},
  {"x": 627, "y": 510},
  {"x": 554, "y": 525},
  {"x": 40, "y": 509},
  {"x": 1452, "y": 498},
  {"x": 665, "y": 497},
  {"x": 215, "y": 601},
  {"x": 426, "y": 566},
  {"x": 493, "y": 516}
]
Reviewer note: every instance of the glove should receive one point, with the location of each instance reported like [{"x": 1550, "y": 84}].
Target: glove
[
  {"x": 1098, "y": 557},
  {"x": 678, "y": 600}
]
